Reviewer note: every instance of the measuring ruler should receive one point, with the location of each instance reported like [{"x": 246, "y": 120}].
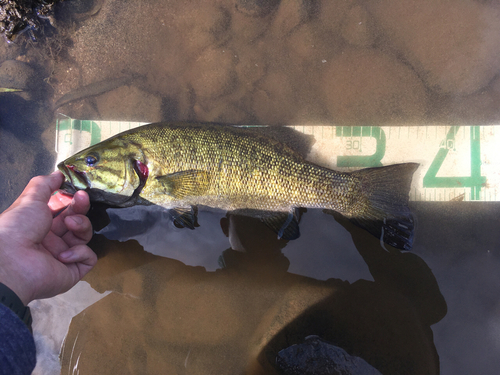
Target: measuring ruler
[{"x": 456, "y": 162}]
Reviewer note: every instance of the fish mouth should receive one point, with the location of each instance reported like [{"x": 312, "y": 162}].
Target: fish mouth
[
  {"x": 67, "y": 188},
  {"x": 73, "y": 178}
]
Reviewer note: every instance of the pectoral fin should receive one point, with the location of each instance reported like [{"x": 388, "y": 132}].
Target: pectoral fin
[{"x": 179, "y": 185}]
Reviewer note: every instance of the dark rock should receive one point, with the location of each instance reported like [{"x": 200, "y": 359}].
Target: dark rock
[
  {"x": 79, "y": 6},
  {"x": 317, "y": 357},
  {"x": 17, "y": 15}
]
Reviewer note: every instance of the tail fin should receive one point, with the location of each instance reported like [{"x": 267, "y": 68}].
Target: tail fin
[{"x": 383, "y": 204}]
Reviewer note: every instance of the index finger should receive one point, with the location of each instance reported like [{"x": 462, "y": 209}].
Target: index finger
[{"x": 40, "y": 188}]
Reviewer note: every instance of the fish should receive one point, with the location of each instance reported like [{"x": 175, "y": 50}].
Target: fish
[
  {"x": 94, "y": 89},
  {"x": 183, "y": 166},
  {"x": 6, "y": 89}
]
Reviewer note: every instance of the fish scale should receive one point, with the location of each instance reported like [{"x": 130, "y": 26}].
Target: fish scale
[{"x": 247, "y": 167}]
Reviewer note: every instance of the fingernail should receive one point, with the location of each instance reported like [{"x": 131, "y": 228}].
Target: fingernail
[
  {"x": 76, "y": 219},
  {"x": 66, "y": 255}
]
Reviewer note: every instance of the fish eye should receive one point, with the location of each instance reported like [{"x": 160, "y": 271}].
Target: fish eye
[{"x": 91, "y": 159}]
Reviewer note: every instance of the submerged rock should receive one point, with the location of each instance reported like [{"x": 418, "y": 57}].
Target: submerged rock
[
  {"x": 248, "y": 29},
  {"x": 213, "y": 74},
  {"x": 251, "y": 67},
  {"x": 202, "y": 25},
  {"x": 291, "y": 14},
  {"x": 17, "y": 75},
  {"x": 317, "y": 357}
]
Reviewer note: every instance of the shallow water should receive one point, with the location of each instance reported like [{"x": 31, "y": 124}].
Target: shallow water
[{"x": 178, "y": 301}]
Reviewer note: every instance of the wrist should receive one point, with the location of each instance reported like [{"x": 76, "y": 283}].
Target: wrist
[
  {"x": 11, "y": 300},
  {"x": 16, "y": 287},
  {"x": 13, "y": 271}
]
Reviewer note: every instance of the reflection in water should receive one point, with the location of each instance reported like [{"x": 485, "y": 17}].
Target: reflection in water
[{"x": 166, "y": 317}]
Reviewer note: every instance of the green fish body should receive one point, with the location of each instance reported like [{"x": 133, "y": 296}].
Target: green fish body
[{"x": 181, "y": 166}]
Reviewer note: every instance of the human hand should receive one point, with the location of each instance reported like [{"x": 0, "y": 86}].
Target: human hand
[{"x": 42, "y": 256}]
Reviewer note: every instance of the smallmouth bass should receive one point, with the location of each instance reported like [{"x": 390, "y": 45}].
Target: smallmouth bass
[{"x": 182, "y": 166}]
